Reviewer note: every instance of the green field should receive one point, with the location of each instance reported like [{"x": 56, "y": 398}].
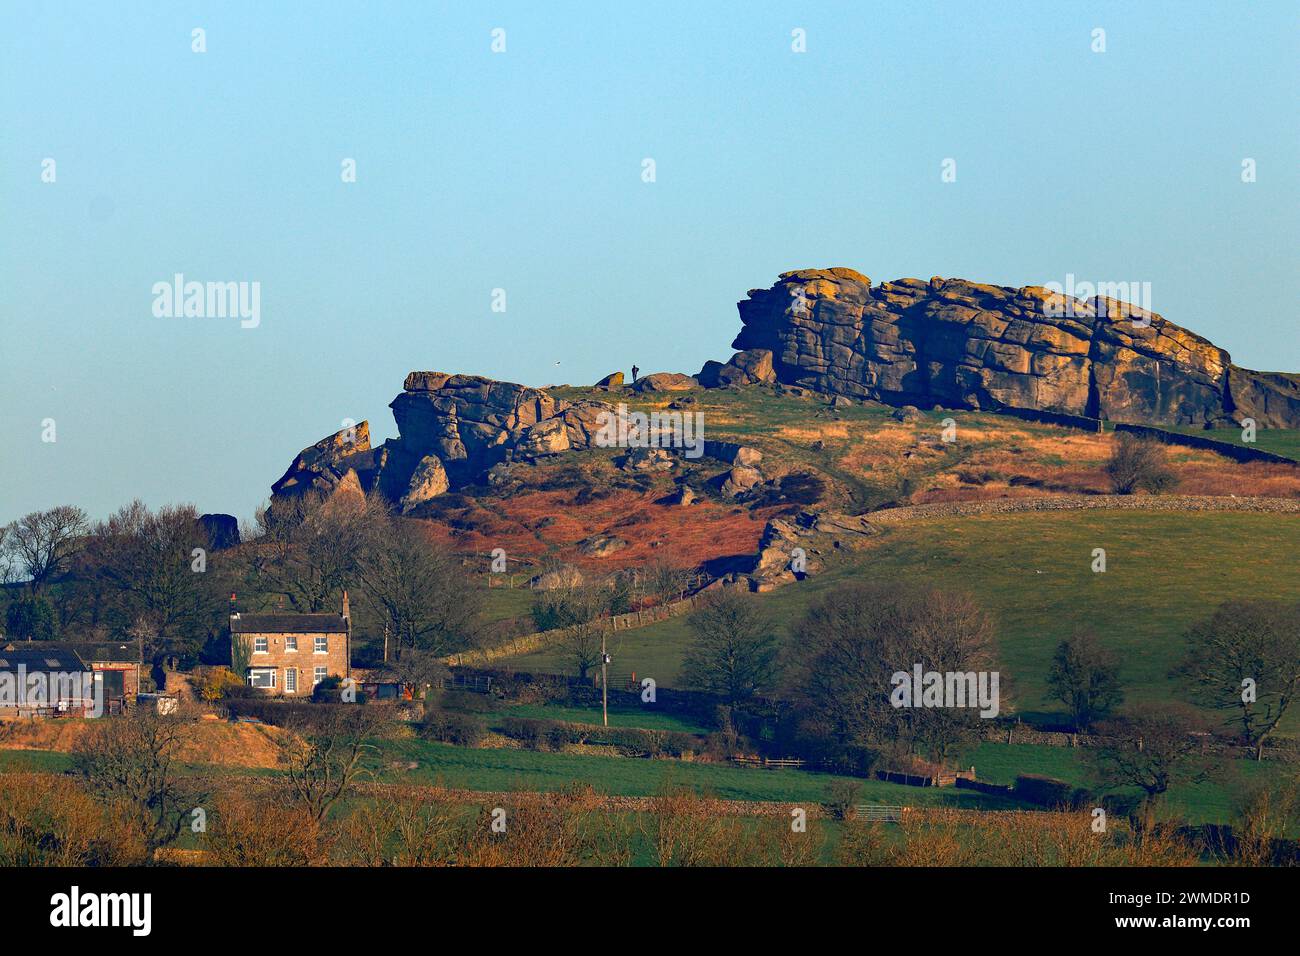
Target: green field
[
  {"x": 1033, "y": 573},
  {"x": 644, "y": 718},
  {"x": 515, "y": 770},
  {"x": 1207, "y": 801},
  {"x": 1280, "y": 441}
]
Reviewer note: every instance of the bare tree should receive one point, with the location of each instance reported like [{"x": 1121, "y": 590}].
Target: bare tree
[
  {"x": 1085, "y": 677},
  {"x": 147, "y": 559},
  {"x": 41, "y": 545},
  {"x": 1245, "y": 659},
  {"x": 1151, "y": 750},
  {"x": 734, "y": 651},
  {"x": 133, "y": 763},
  {"x": 1139, "y": 463},
  {"x": 855, "y": 640},
  {"x": 423, "y": 595},
  {"x": 323, "y": 759},
  {"x": 577, "y": 616},
  {"x": 308, "y": 550}
]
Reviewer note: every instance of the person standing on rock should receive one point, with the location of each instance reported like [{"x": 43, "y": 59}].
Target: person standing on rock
[{"x": 634, "y": 371}]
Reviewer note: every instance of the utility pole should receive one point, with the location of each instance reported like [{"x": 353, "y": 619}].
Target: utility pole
[{"x": 604, "y": 678}]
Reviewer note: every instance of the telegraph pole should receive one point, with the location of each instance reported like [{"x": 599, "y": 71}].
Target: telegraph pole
[{"x": 604, "y": 678}]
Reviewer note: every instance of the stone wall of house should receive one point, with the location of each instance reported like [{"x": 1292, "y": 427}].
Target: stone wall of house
[{"x": 304, "y": 660}]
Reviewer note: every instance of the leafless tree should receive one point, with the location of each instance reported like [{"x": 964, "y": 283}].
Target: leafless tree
[
  {"x": 308, "y": 550},
  {"x": 1139, "y": 463},
  {"x": 422, "y": 594},
  {"x": 1245, "y": 659},
  {"x": 324, "y": 759},
  {"x": 854, "y": 641},
  {"x": 40, "y": 546},
  {"x": 1151, "y": 750},
  {"x": 146, "y": 559},
  {"x": 133, "y": 763}
]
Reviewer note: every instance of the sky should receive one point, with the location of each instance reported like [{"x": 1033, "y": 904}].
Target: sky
[{"x": 524, "y": 171}]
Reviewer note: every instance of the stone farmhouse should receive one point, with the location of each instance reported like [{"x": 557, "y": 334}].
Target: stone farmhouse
[{"x": 288, "y": 654}]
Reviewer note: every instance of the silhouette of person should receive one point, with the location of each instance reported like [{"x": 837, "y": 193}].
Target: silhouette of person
[{"x": 634, "y": 372}]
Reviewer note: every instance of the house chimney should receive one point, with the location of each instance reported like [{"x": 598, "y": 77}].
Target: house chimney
[
  {"x": 347, "y": 610},
  {"x": 234, "y": 610}
]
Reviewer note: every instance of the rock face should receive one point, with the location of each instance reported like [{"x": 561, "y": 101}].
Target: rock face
[
  {"x": 429, "y": 481},
  {"x": 453, "y": 429},
  {"x": 664, "y": 382},
  {"x": 751, "y": 367},
  {"x": 961, "y": 344},
  {"x": 222, "y": 530}
]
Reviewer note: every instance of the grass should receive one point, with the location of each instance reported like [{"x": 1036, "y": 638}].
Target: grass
[
  {"x": 503, "y": 604},
  {"x": 1208, "y": 801},
  {"x": 1280, "y": 441},
  {"x": 35, "y": 761},
  {"x": 644, "y": 718},
  {"x": 518, "y": 770},
  {"x": 1032, "y": 572}
]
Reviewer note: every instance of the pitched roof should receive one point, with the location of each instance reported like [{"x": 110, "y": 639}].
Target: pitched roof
[
  {"x": 41, "y": 658},
  {"x": 289, "y": 623},
  {"x": 89, "y": 651}
]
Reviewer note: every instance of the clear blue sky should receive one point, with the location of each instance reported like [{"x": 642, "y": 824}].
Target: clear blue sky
[{"x": 522, "y": 171}]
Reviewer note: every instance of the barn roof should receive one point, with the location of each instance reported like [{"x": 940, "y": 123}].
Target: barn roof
[{"x": 41, "y": 658}]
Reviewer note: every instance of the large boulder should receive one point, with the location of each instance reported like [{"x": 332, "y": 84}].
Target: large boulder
[
  {"x": 611, "y": 381},
  {"x": 741, "y": 478},
  {"x": 601, "y": 545},
  {"x": 320, "y": 467},
  {"x": 222, "y": 530},
  {"x": 750, "y": 367},
  {"x": 664, "y": 382},
  {"x": 428, "y": 481},
  {"x": 962, "y": 344}
]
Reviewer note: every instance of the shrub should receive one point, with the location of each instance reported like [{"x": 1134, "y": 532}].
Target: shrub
[
  {"x": 1048, "y": 792},
  {"x": 217, "y": 683},
  {"x": 463, "y": 730},
  {"x": 1136, "y": 463},
  {"x": 842, "y": 797}
]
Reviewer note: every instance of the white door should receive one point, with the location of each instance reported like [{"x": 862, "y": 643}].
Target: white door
[{"x": 290, "y": 681}]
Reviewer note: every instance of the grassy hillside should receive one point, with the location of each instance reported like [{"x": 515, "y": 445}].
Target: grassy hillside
[
  {"x": 1033, "y": 572},
  {"x": 490, "y": 769}
]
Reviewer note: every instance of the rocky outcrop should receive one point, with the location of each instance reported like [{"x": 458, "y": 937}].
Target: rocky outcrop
[
  {"x": 751, "y": 367},
  {"x": 452, "y": 430},
  {"x": 322, "y": 466},
  {"x": 664, "y": 382},
  {"x": 222, "y": 530},
  {"x": 963, "y": 344},
  {"x": 428, "y": 481}
]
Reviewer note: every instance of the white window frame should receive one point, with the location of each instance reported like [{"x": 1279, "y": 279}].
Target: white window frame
[
  {"x": 318, "y": 674},
  {"x": 264, "y": 641},
  {"x": 290, "y": 680},
  {"x": 255, "y": 672},
  {"x": 320, "y": 644},
  {"x": 291, "y": 643}
]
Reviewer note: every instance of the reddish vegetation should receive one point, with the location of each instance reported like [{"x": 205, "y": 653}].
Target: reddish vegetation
[{"x": 531, "y": 524}]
